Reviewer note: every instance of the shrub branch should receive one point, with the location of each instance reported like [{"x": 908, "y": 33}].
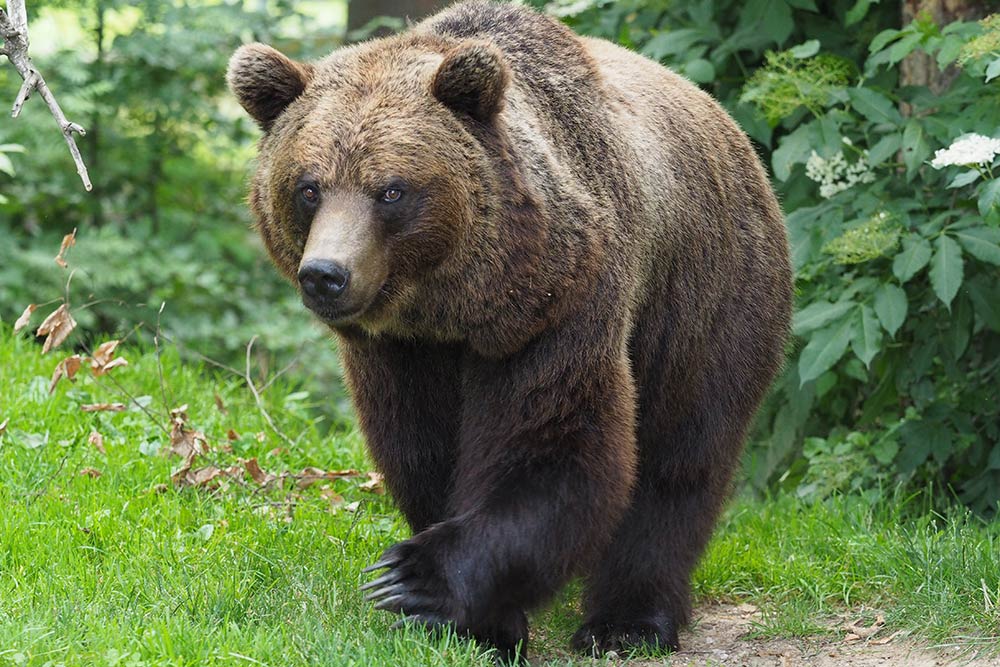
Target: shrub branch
[{"x": 14, "y": 30}]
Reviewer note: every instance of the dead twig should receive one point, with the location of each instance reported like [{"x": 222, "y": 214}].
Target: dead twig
[
  {"x": 14, "y": 30},
  {"x": 256, "y": 397}
]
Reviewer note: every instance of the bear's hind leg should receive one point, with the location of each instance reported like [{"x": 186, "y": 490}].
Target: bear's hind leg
[{"x": 638, "y": 595}]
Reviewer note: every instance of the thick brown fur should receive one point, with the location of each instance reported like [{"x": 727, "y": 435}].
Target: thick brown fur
[{"x": 581, "y": 300}]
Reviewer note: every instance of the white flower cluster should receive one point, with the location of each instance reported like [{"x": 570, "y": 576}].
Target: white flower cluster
[
  {"x": 967, "y": 150},
  {"x": 836, "y": 175}
]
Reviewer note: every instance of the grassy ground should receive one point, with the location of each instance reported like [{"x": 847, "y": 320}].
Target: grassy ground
[{"x": 125, "y": 569}]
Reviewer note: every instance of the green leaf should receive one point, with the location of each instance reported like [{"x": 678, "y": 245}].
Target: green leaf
[
  {"x": 772, "y": 18},
  {"x": 993, "y": 70},
  {"x": 874, "y": 106},
  {"x": 886, "y": 147},
  {"x": 983, "y": 243},
  {"x": 956, "y": 336},
  {"x": 964, "y": 179},
  {"x": 700, "y": 70},
  {"x": 882, "y": 39},
  {"x": 818, "y": 314},
  {"x": 794, "y": 148},
  {"x": 891, "y": 307},
  {"x": 866, "y": 335},
  {"x": 6, "y": 165},
  {"x": 825, "y": 348},
  {"x": 915, "y": 148},
  {"x": 914, "y": 256},
  {"x": 946, "y": 269},
  {"x": 858, "y": 11},
  {"x": 805, "y": 49},
  {"x": 985, "y": 296},
  {"x": 904, "y": 47},
  {"x": 989, "y": 196}
]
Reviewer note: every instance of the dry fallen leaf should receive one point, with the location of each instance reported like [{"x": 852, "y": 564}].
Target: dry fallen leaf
[
  {"x": 856, "y": 631},
  {"x": 68, "y": 242},
  {"x": 885, "y": 640},
  {"x": 353, "y": 507},
  {"x": 256, "y": 473},
  {"x": 204, "y": 476},
  {"x": 336, "y": 500},
  {"x": 97, "y": 440},
  {"x": 103, "y": 359},
  {"x": 25, "y": 317},
  {"x": 184, "y": 441},
  {"x": 310, "y": 476},
  {"x": 3, "y": 425},
  {"x": 56, "y": 327},
  {"x": 103, "y": 407},
  {"x": 232, "y": 435},
  {"x": 66, "y": 368},
  {"x": 91, "y": 472},
  {"x": 374, "y": 484},
  {"x": 220, "y": 405}
]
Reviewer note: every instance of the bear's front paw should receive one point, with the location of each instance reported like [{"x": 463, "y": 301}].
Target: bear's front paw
[{"x": 412, "y": 586}]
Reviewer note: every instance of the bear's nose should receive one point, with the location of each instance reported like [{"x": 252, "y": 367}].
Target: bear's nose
[{"x": 323, "y": 279}]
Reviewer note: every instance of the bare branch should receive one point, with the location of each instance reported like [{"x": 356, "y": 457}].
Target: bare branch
[{"x": 14, "y": 30}]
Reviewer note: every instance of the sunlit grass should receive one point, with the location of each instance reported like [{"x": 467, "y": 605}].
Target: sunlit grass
[{"x": 125, "y": 569}]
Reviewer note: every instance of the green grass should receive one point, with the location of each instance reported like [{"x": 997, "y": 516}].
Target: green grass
[{"x": 124, "y": 569}]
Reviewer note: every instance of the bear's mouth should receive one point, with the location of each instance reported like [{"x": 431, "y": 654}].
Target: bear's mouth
[{"x": 349, "y": 314}]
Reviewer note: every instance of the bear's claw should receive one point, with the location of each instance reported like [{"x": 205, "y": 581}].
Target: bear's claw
[{"x": 409, "y": 586}]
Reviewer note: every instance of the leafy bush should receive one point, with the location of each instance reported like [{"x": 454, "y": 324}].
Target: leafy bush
[{"x": 895, "y": 370}]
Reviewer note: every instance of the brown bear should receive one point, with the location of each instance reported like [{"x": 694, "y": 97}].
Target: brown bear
[{"x": 560, "y": 283}]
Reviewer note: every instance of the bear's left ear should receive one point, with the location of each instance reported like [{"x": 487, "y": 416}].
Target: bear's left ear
[
  {"x": 266, "y": 81},
  {"x": 472, "y": 79}
]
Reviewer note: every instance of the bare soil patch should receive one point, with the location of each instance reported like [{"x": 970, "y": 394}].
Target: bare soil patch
[{"x": 720, "y": 636}]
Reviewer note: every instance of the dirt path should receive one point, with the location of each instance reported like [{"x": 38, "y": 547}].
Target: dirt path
[{"x": 718, "y": 638}]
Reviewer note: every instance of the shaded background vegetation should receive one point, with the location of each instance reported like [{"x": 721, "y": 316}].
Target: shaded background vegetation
[{"x": 893, "y": 372}]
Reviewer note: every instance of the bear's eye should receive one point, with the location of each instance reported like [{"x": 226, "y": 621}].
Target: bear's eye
[
  {"x": 391, "y": 195},
  {"x": 310, "y": 194}
]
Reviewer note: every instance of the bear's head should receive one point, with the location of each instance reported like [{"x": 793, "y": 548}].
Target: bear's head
[{"x": 369, "y": 171}]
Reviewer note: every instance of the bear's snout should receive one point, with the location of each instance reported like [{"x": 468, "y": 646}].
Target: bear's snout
[{"x": 323, "y": 281}]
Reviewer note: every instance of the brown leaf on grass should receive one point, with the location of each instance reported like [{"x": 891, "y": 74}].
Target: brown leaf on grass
[
  {"x": 220, "y": 405},
  {"x": 206, "y": 476},
  {"x": 310, "y": 476},
  {"x": 103, "y": 407},
  {"x": 232, "y": 435},
  {"x": 97, "y": 440},
  {"x": 25, "y": 317},
  {"x": 374, "y": 484},
  {"x": 336, "y": 500},
  {"x": 256, "y": 473},
  {"x": 3, "y": 425},
  {"x": 68, "y": 242},
  {"x": 56, "y": 327},
  {"x": 857, "y": 631},
  {"x": 91, "y": 472},
  {"x": 185, "y": 442},
  {"x": 66, "y": 368},
  {"x": 885, "y": 640},
  {"x": 353, "y": 507},
  {"x": 103, "y": 359}
]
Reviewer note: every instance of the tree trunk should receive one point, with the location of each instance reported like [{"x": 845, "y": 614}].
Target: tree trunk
[
  {"x": 920, "y": 69},
  {"x": 360, "y": 12}
]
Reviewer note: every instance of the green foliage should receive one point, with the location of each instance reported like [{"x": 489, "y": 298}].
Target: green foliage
[
  {"x": 895, "y": 371},
  {"x": 168, "y": 151}
]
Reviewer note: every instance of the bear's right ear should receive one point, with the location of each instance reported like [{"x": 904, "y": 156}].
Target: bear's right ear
[
  {"x": 266, "y": 81},
  {"x": 472, "y": 79}
]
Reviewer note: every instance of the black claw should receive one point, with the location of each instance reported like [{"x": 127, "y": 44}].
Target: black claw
[
  {"x": 384, "y": 562},
  {"x": 384, "y": 580},
  {"x": 390, "y": 603},
  {"x": 391, "y": 589}
]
